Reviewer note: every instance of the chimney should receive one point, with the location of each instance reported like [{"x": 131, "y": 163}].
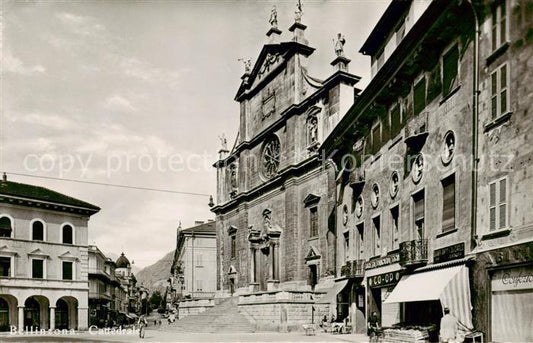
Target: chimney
[
  {"x": 4, "y": 177},
  {"x": 198, "y": 222}
]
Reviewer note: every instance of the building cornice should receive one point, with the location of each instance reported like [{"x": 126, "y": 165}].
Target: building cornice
[
  {"x": 45, "y": 205},
  {"x": 278, "y": 181}
]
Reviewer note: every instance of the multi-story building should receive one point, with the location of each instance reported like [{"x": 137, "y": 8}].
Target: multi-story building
[
  {"x": 107, "y": 296},
  {"x": 274, "y": 213},
  {"x": 43, "y": 258},
  {"x": 133, "y": 292},
  {"x": 194, "y": 268},
  {"x": 503, "y": 231},
  {"x": 434, "y": 171}
]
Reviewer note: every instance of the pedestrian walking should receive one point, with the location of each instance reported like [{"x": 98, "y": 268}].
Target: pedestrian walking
[{"x": 143, "y": 323}]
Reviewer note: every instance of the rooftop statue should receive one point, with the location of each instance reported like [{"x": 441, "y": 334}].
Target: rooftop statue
[
  {"x": 273, "y": 17},
  {"x": 299, "y": 12},
  {"x": 223, "y": 142},
  {"x": 247, "y": 64},
  {"x": 339, "y": 45}
]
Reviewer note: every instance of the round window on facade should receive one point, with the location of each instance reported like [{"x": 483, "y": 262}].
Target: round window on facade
[
  {"x": 359, "y": 206},
  {"x": 394, "y": 185},
  {"x": 417, "y": 170},
  {"x": 448, "y": 147},
  {"x": 374, "y": 196},
  {"x": 271, "y": 157}
]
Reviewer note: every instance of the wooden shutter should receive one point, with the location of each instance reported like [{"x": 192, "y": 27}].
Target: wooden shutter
[
  {"x": 419, "y": 96},
  {"x": 395, "y": 121},
  {"x": 418, "y": 206},
  {"x": 492, "y": 206},
  {"x": 449, "y": 70},
  {"x": 448, "y": 203},
  {"x": 502, "y": 204}
]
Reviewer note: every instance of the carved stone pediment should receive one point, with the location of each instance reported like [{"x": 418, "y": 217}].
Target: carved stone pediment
[{"x": 312, "y": 254}]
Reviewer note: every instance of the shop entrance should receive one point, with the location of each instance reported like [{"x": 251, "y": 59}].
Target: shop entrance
[
  {"x": 32, "y": 313},
  {"x": 61, "y": 314},
  {"x": 374, "y": 303}
]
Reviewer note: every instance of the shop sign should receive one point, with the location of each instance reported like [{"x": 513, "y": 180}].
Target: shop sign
[
  {"x": 383, "y": 261},
  {"x": 384, "y": 279},
  {"x": 512, "y": 279},
  {"x": 449, "y": 253},
  {"x": 516, "y": 254}
]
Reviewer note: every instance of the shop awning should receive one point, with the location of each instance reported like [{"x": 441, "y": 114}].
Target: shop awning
[
  {"x": 449, "y": 285},
  {"x": 331, "y": 296}
]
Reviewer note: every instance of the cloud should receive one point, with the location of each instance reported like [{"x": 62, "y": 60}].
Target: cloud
[
  {"x": 14, "y": 65},
  {"x": 119, "y": 103},
  {"x": 82, "y": 25},
  {"x": 47, "y": 120},
  {"x": 135, "y": 68}
]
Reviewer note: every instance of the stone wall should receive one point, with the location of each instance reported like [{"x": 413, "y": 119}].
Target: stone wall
[
  {"x": 282, "y": 311},
  {"x": 192, "y": 307}
]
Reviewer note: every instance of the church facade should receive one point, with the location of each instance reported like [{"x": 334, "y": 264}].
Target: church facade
[{"x": 275, "y": 220}]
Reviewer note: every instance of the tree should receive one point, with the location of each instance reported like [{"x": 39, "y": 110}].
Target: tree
[{"x": 155, "y": 300}]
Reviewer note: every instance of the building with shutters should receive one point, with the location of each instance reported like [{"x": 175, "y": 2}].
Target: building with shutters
[
  {"x": 434, "y": 202},
  {"x": 43, "y": 258}
]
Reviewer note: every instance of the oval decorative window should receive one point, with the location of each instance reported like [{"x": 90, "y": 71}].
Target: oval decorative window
[
  {"x": 394, "y": 185},
  {"x": 374, "y": 196},
  {"x": 359, "y": 206},
  {"x": 448, "y": 147},
  {"x": 418, "y": 168}
]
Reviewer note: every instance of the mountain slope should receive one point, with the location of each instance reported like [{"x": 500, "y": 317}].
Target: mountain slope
[{"x": 155, "y": 276}]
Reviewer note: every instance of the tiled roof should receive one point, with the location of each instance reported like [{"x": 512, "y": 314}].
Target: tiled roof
[{"x": 15, "y": 189}]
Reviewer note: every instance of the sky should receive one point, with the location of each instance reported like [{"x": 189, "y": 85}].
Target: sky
[{"x": 137, "y": 93}]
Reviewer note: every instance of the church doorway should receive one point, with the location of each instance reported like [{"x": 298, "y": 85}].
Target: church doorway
[{"x": 313, "y": 276}]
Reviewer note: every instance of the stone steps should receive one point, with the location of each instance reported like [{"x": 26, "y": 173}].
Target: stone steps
[{"x": 224, "y": 317}]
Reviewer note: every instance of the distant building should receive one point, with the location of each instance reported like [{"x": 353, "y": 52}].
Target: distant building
[
  {"x": 107, "y": 297},
  {"x": 43, "y": 258},
  {"x": 129, "y": 283},
  {"x": 193, "y": 271}
]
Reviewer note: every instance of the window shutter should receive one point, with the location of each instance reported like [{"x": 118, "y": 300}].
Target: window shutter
[
  {"x": 492, "y": 204},
  {"x": 419, "y": 207},
  {"x": 395, "y": 121},
  {"x": 502, "y": 204},
  {"x": 449, "y": 70},
  {"x": 448, "y": 207},
  {"x": 419, "y": 96},
  {"x": 503, "y": 89}
]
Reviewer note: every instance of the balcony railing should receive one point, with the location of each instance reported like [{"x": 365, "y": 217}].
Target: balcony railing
[
  {"x": 414, "y": 253},
  {"x": 353, "y": 269}
]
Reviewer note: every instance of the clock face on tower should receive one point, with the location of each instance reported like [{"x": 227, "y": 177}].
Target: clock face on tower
[{"x": 271, "y": 156}]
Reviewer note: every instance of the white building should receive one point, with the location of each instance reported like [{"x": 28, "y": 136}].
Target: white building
[{"x": 43, "y": 258}]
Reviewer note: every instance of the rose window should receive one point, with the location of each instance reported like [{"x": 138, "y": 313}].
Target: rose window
[{"x": 271, "y": 157}]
